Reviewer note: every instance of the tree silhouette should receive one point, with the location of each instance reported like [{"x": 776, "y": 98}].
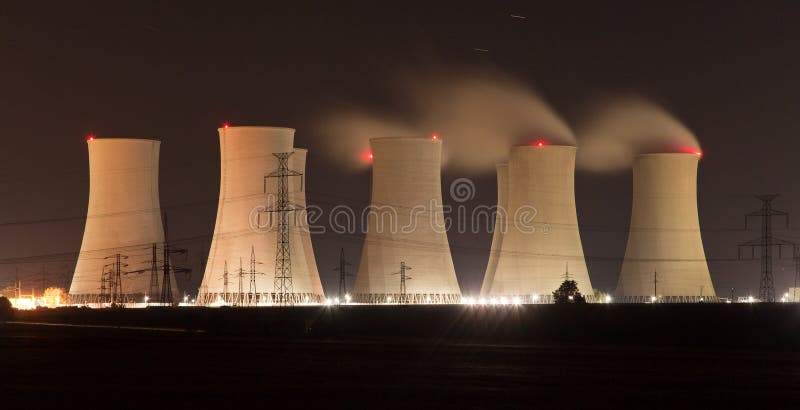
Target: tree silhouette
[
  {"x": 6, "y": 311},
  {"x": 568, "y": 293}
]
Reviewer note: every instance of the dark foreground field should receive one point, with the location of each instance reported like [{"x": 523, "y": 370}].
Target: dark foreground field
[{"x": 599, "y": 356}]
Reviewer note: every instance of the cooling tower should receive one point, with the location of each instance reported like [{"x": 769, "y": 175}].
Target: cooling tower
[
  {"x": 123, "y": 217},
  {"x": 298, "y": 194},
  {"x": 405, "y": 224},
  {"x": 499, "y": 226},
  {"x": 542, "y": 241},
  {"x": 665, "y": 256},
  {"x": 245, "y": 237}
]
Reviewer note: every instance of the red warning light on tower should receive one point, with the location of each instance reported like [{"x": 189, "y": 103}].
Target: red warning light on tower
[
  {"x": 90, "y": 138},
  {"x": 367, "y": 157},
  {"x": 693, "y": 150},
  {"x": 435, "y": 137},
  {"x": 539, "y": 143},
  {"x": 225, "y": 125}
]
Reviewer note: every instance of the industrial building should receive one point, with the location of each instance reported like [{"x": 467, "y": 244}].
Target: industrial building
[
  {"x": 406, "y": 255},
  {"x": 664, "y": 259},
  {"x": 123, "y": 225},
  {"x": 249, "y": 243},
  {"x": 541, "y": 246}
]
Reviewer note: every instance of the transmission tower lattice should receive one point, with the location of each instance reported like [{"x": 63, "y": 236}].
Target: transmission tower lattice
[
  {"x": 766, "y": 288},
  {"x": 17, "y": 285},
  {"x": 283, "y": 206},
  {"x": 253, "y": 289},
  {"x": 796, "y": 255},
  {"x": 403, "y": 278},
  {"x": 241, "y": 283},
  {"x": 166, "y": 285},
  {"x": 225, "y": 281},
  {"x": 655, "y": 285},
  {"x": 154, "y": 272},
  {"x": 113, "y": 278},
  {"x": 253, "y": 273},
  {"x": 168, "y": 268},
  {"x": 342, "y": 269}
]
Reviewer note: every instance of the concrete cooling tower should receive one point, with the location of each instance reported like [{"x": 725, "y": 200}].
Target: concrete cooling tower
[
  {"x": 499, "y": 226},
  {"x": 664, "y": 257},
  {"x": 405, "y": 226},
  {"x": 298, "y": 196},
  {"x": 242, "y": 258},
  {"x": 123, "y": 218},
  {"x": 542, "y": 244}
]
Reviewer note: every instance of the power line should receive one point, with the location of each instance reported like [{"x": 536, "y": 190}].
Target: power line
[
  {"x": 283, "y": 206},
  {"x": 342, "y": 269},
  {"x": 766, "y": 288},
  {"x": 403, "y": 272}
]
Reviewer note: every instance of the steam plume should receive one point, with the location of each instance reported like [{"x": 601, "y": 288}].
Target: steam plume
[
  {"x": 347, "y": 135},
  {"x": 619, "y": 129},
  {"x": 478, "y": 116}
]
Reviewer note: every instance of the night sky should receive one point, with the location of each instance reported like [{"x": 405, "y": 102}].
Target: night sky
[{"x": 176, "y": 72}]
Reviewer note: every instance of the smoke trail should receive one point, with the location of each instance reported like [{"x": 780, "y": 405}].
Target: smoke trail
[
  {"x": 347, "y": 133},
  {"x": 479, "y": 116},
  {"x": 619, "y": 129}
]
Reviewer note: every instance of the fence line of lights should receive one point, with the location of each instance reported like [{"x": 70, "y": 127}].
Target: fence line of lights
[{"x": 56, "y": 300}]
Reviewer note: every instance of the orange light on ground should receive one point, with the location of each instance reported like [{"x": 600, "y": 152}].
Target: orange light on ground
[{"x": 23, "y": 303}]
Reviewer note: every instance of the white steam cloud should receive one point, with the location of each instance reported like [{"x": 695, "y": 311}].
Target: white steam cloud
[
  {"x": 619, "y": 129},
  {"x": 477, "y": 116},
  {"x": 480, "y": 117},
  {"x": 347, "y": 135}
]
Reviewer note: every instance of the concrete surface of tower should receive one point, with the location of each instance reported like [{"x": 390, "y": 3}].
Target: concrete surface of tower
[
  {"x": 123, "y": 217},
  {"x": 242, "y": 225},
  {"x": 541, "y": 246},
  {"x": 297, "y": 192},
  {"x": 500, "y": 224},
  {"x": 405, "y": 224},
  {"x": 664, "y": 257}
]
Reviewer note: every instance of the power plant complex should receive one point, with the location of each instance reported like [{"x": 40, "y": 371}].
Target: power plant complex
[{"x": 261, "y": 253}]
